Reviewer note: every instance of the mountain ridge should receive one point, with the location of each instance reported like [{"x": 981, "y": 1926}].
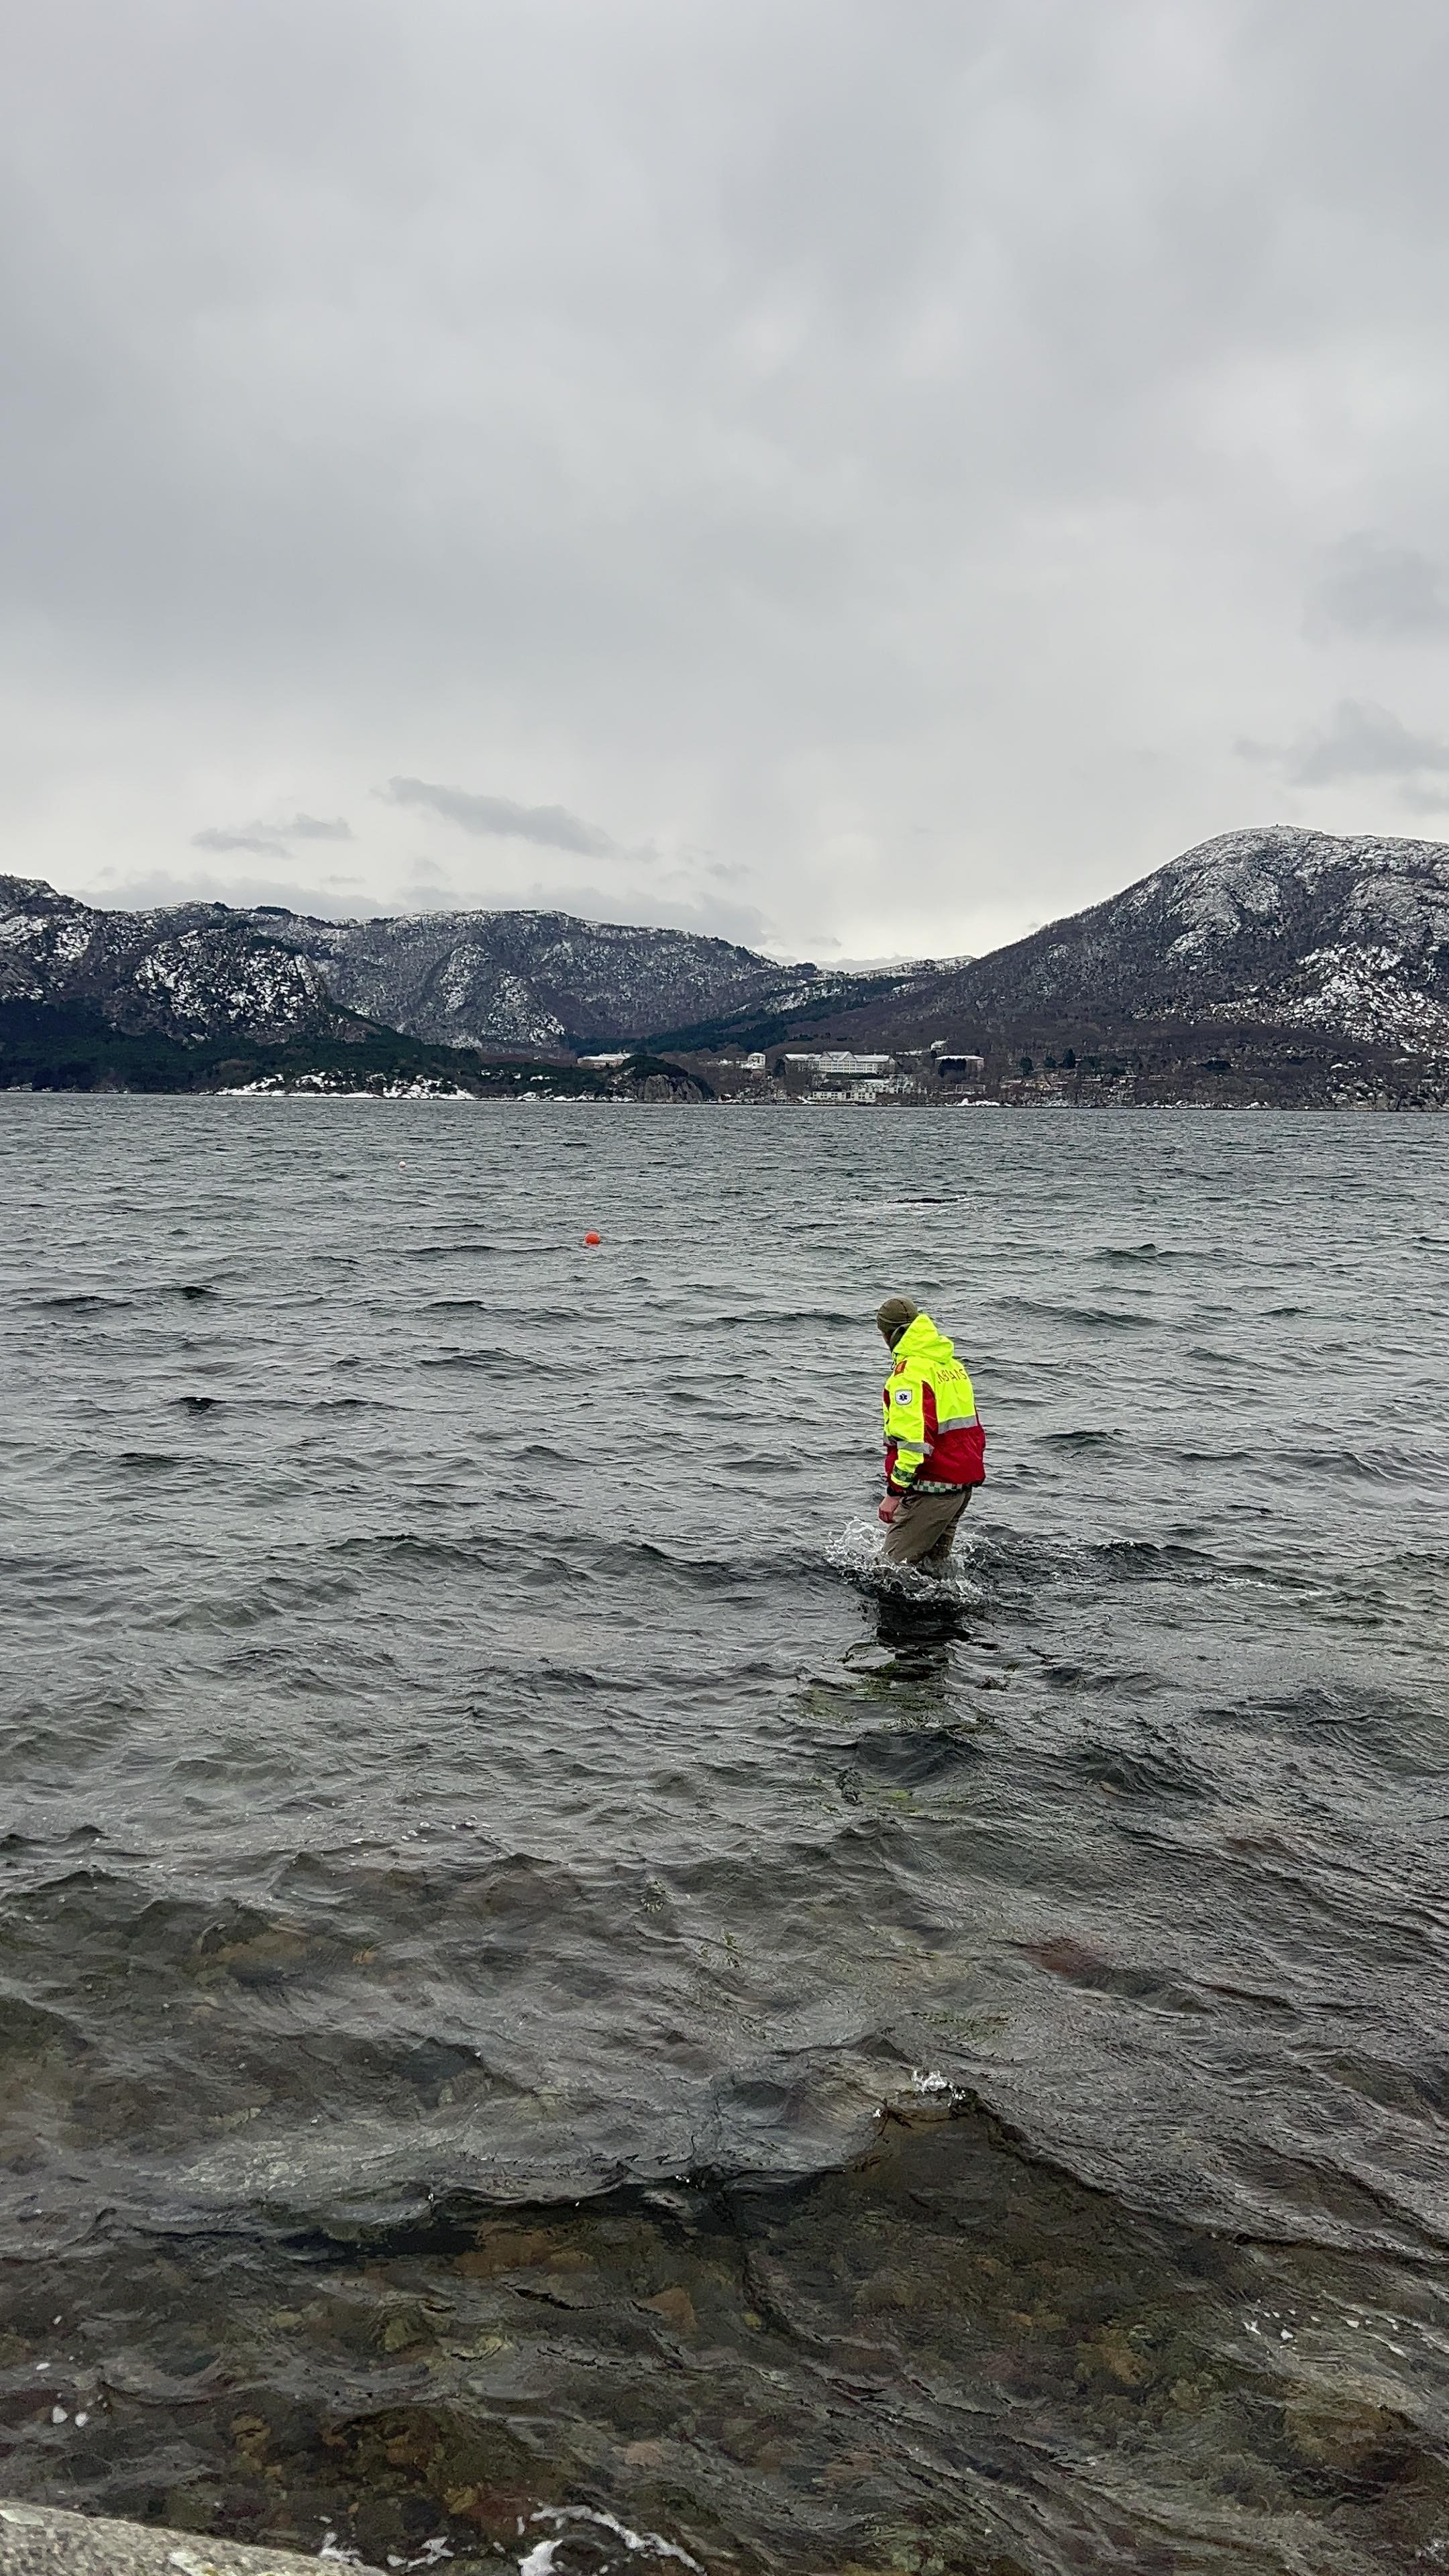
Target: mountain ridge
[
  {"x": 488, "y": 979},
  {"x": 1289, "y": 930},
  {"x": 1291, "y": 927},
  {"x": 1284, "y": 928}
]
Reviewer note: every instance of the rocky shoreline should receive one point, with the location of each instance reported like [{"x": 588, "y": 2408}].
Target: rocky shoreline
[{"x": 40, "y": 2540}]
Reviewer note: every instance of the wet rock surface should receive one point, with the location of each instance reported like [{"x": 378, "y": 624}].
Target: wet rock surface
[{"x": 42, "y": 2540}]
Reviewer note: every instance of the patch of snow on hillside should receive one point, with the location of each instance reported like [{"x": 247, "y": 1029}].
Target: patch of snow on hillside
[
  {"x": 1391, "y": 913},
  {"x": 1362, "y": 991}
]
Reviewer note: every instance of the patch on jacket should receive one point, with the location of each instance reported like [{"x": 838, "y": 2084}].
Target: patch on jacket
[{"x": 903, "y": 1395}]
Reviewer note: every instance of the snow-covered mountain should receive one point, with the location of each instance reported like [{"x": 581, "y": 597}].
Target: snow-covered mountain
[
  {"x": 529, "y": 979},
  {"x": 191, "y": 974},
  {"x": 1280, "y": 928},
  {"x": 196, "y": 972},
  {"x": 1288, "y": 928}
]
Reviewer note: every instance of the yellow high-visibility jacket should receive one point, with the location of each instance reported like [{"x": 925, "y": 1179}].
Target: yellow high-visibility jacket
[{"x": 933, "y": 1434}]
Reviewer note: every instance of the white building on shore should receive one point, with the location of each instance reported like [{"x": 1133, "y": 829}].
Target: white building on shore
[{"x": 841, "y": 1066}]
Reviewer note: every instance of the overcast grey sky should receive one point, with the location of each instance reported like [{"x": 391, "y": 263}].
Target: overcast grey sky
[{"x": 864, "y": 476}]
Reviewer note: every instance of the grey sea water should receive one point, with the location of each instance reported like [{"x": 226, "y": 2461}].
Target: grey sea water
[{"x": 546, "y": 2016}]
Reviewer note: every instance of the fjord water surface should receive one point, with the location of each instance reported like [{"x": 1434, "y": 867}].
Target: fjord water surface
[{"x": 544, "y": 2010}]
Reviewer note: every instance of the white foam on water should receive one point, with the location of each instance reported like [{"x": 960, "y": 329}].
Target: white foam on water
[
  {"x": 540, "y": 2558},
  {"x": 856, "y": 1548},
  {"x": 336, "y": 2556},
  {"x": 856, "y": 1551}
]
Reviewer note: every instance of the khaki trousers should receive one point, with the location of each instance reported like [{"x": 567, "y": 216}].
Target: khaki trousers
[{"x": 924, "y": 1527}]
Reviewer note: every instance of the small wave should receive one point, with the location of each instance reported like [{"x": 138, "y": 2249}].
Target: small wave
[
  {"x": 1151, "y": 1770},
  {"x": 81, "y": 1303},
  {"x": 1128, "y": 1252},
  {"x": 29, "y": 2031},
  {"x": 474, "y": 1251},
  {"x": 1077, "y": 1964},
  {"x": 1110, "y": 1318},
  {"x": 913, "y": 1756},
  {"x": 1354, "y": 1705},
  {"x": 411, "y": 1546},
  {"x": 1382, "y": 1464},
  {"x": 495, "y": 1360},
  {"x": 1150, "y": 1560}
]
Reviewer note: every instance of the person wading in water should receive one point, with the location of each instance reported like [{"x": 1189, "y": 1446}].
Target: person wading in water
[{"x": 935, "y": 1447}]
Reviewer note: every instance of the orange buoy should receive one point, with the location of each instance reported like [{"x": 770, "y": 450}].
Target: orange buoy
[{"x": 593, "y": 1238}]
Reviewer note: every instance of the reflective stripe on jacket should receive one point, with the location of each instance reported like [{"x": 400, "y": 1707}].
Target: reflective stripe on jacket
[{"x": 932, "y": 1432}]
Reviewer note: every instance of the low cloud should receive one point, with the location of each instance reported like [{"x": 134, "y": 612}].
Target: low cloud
[
  {"x": 1422, "y": 799},
  {"x": 497, "y": 817},
  {"x": 1367, "y": 585},
  {"x": 263, "y": 845},
  {"x": 269, "y": 840},
  {"x": 314, "y": 827},
  {"x": 1359, "y": 740},
  {"x": 710, "y": 915},
  {"x": 157, "y": 890}
]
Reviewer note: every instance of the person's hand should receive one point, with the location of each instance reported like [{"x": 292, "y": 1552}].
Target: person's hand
[{"x": 888, "y": 1508}]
